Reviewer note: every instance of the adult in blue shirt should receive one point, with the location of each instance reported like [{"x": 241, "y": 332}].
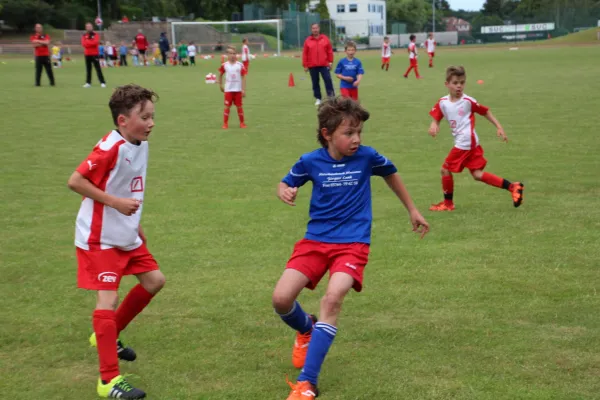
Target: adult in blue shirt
[
  {"x": 338, "y": 234},
  {"x": 163, "y": 44},
  {"x": 350, "y": 72}
]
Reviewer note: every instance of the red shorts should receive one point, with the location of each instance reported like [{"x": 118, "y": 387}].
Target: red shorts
[
  {"x": 314, "y": 258},
  {"x": 432, "y": 54},
  {"x": 233, "y": 98},
  {"x": 385, "y": 60},
  {"x": 103, "y": 269},
  {"x": 352, "y": 93},
  {"x": 246, "y": 65},
  {"x": 458, "y": 159},
  {"x": 413, "y": 62}
]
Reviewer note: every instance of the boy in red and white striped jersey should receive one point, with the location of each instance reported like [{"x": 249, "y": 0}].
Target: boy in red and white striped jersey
[
  {"x": 386, "y": 53},
  {"x": 430, "y": 44},
  {"x": 412, "y": 57},
  {"x": 459, "y": 109},
  {"x": 245, "y": 54},
  {"x": 109, "y": 239}
]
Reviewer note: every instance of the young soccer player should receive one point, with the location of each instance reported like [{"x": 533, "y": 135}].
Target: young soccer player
[
  {"x": 459, "y": 109},
  {"x": 56, "y": 55},
  {"x": 412, "y": 57},
  {"x": 350, "y": 72},
  {"x": 386, "y": 53},
  {"x": 338, "y": 234},
  {"x": 245, "y": 54},
  {"x": 235, "y": 86},
  {"x": 430, "y": 43},
  {"x": 182, "y": 53},
  {"x": 191, "y": 50},
  {"x": 109, "y": 238}
]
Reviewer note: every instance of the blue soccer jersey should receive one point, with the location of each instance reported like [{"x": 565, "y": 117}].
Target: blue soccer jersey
[
  {"x": 340, "y": 204},
  {"x": 351, "y": 68}
]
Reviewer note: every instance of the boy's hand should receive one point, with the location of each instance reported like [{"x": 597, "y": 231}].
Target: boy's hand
[
  {"x": 355, "y": 84},
  {"x": 434, "y": 129},
  {"x": 243, "y": 93},
  {"x": 418, "y": 223},
  {"x": 288, "y": 195},
  {"x": 126, "y": 206},
  {"x": 501, "y": 134},
  {"x": 222, "y": 90}
]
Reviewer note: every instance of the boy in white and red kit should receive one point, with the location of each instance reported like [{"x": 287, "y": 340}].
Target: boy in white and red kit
[
  {"x": 245, "y": 54},
  {"x": 386, "y": 53},
  {"x": 430, "y": 44},
  {"x": 412, "y": 57},
  {"x": 235, "y": 86}
]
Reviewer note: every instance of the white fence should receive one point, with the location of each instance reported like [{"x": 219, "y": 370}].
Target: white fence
[{"x": 402, "y": 40}]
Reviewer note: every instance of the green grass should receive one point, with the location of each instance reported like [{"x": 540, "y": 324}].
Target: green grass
[
  {"x": 587, "y": 36},
  {"x": 496, "y": 303}
]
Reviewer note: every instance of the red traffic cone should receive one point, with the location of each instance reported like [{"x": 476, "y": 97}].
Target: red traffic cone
[{"x": 291, "y": 82}]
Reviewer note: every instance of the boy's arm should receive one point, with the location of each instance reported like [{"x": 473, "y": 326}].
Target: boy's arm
[
  {"x": 243, "y": 84},
  {"x": 220, "y": 78},
  {"x": 287, "y": 194},
  {"x": 419, "y": 223},
  {"x": 499, "y": 130},
  {"x": 141, "y": 234},
  {"x": 437, "y": 115},
  {"x": 81, "y": 185}
]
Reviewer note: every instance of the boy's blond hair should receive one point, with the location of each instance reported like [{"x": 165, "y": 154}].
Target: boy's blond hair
[
  {"x": 231, "y": 47},
  {"x": 455, "y": 71},
  {"x": 350, "y": 44}
]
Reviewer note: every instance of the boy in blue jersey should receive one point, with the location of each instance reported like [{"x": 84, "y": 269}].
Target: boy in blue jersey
[
  {"x": 350, "y": 71},
  {"x": 338, "y": 233}
]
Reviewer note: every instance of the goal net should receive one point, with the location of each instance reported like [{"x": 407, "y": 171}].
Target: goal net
[{"x": 211, "y": 37}]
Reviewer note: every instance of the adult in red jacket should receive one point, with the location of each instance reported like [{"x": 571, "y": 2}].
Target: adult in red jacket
[
  {"x": 90, "y": 42},
  {"x": 142, "y": 44},
  {"x": 40, "y": 43},
  {"x": 317, "y": 58}
]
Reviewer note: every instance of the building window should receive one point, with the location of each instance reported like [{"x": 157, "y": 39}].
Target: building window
[
  {"x": 369, "y": 8},
  {"x": 341, "y": 8},
  {"x": 341, "y": 30},
  {"x": 352, "y": 7}
]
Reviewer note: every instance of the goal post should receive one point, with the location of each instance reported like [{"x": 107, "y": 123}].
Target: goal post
[{"x": 208, "y": 34}]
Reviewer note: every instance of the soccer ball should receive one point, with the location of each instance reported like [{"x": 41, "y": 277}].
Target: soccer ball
[{"x": 210, "y": 78}]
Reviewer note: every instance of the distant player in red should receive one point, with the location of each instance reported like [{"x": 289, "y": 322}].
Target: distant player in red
[
  {"x": 142, "y": 45},
  {"x": 109, "y": 239},
  {"x": 430, "y": 44},
  {"x": 245, "y": 54},
  {"x": 459, "y": 109},
  {"x": 412, "y": 57},
  {"x": 386, "y": 53},
  {"x": 235, "y": 86}
]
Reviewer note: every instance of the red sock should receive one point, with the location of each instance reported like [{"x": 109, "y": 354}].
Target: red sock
[
  {"x": 136, "y": 300},
  {"x": 226, "y": 115},
  {"x": 240, "y": 111},
  {"x": 492, "y": 179},
  {"x": 105, "y": 328},
  {"x": 408, "y": 70},
  {"x": 417, "y": 72},
  {"x": 448, "y": 188}
]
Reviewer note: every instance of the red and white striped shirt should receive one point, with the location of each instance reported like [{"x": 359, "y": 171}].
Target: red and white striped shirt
[
  {"x": 118, "y": 168},
  {"x": 461, "y": 117},
  {"x": 412, "y": 48},
  {"x": 245, "y": 53},
  {"x": 386, "y": 50}
]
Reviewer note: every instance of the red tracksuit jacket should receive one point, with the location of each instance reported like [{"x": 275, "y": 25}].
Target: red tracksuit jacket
[
  {"x": 90, "y": 43},
  {"x": 317, "y": 52}
]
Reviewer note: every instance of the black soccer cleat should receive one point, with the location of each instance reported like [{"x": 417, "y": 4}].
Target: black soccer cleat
[
  {"x": 119, "y": 388},
  {"x": 124, "y": 352}
]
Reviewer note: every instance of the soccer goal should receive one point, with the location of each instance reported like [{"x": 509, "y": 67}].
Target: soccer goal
[{"x": 264, "y": 36}]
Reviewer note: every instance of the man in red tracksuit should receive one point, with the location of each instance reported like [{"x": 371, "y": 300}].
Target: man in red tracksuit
[
  {"x": 142, "y": 44},
  {"x": 40, "y": 43},
  {"x": 90, "y": 42},
  {"x": 317, "y": 58}
]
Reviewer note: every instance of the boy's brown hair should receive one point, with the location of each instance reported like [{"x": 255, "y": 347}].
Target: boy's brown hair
[
  {"x": 231, "y": 47},
  {"x": 350, "y": 44},
  {"x": 455, "y": 71},
  {"x": 334, "y": 110},
  {"x": 126, "y": 98},
  {"x": 245, "y": 40}
]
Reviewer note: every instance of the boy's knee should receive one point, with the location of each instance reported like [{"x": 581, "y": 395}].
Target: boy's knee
[
  {"x": 153, "y": 282},
  {"x": 107, "y": 300},
  {"x": 282, "y": 302},
  {"x": 477, "y": 174},
  {"x": 331, "y": 303},
  {"x": 445, "y": 172}
]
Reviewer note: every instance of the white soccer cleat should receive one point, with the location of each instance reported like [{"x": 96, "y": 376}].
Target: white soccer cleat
[
  {"x": 318, "y": 102},
  {"x": 103, "y": 85},
  {"x": 87, "y": 85}
]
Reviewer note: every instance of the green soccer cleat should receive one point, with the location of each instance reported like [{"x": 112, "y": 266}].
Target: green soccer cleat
[
  {"x": 125, "y": 353},
  {"x": 119, "y": 388}
]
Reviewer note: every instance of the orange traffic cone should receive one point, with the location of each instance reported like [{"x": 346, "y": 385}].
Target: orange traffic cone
[{"x": 291, "y": 82}]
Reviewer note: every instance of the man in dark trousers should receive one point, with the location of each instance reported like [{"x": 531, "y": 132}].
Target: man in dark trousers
[
  {"x": 40, "y": 43},
  {"x": 163, "y": 44},
  {"x": 317, "y": 58},
  {"x": 90, "y": 42}
]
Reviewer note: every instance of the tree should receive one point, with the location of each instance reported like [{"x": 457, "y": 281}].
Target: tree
[
  {"x": 24, "y": 14},
  {"x": 322, "y": 10},
  {"x": 412, "y": 12},
  {"x": 492, "y": 7}
]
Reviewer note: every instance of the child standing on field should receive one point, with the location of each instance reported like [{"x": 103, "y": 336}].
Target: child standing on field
[
  {"x": 338, "y": 233},
  {"x": 412, "y": 57},
  {"x": 386, "y": 53},
  {"x": 109, "y": 239},
  {"x": 350, "y": 72},
  {"x": 235, "y": 86},
  {"x": 459, "y": 109}
]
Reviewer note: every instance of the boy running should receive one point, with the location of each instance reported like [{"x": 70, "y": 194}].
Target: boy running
[
  {"x": 459, "y": 109},
  {"x": 430, "y": 43},
  {"x": 109, "y": 238},
  {"x": 412, "y": 57},
  {"x": 350, "y": 72},
  {"x": 386, "y": 53},
  {"x": 235, "y": 86},
  {"x": 338, "y": 234}
]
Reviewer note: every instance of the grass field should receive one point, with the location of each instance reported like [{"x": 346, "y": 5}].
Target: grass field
[{"x": 496, "y": 303}]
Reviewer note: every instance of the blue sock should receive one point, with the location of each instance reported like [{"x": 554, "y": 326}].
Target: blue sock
[
  {"x": 320, "y": 342},
  {"x": 297, "y": 319}
]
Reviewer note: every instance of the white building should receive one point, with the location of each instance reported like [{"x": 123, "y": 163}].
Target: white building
[{"x": 356, "y": 18}]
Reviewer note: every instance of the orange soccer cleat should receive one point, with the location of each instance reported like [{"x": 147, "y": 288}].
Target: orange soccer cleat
[
  {"x": 517, "y": 190},
  {"x": 225, "y": 126},
  {"x": 303, "y": 390},
  {"x": 243, "y": 125},
  {"x": 301, "y": 346},
  {"x": 442, "y": 206}
]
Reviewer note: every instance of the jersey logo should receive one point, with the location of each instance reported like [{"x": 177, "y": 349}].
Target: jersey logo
[
  {"x": 91, "y": 165},
  {"x": 137, "y": 184},
  {"x": 128, "y": 160},
  {"x": 107, "y": 277},
  {"x": 350, "y": 266},
  {"x": 461, "y": 112},
  {"x": 452, "y": 124},
  {"x": 339, "y": 165}
]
